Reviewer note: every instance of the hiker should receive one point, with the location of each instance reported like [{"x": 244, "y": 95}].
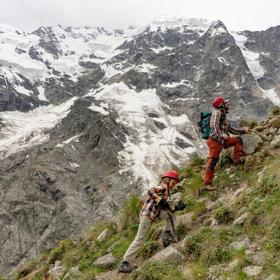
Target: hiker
[
  {"x": 158, "y": 205},
  {"x": 220, "y": 138}
]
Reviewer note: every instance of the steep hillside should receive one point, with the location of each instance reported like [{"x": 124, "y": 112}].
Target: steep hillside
[
  {"x": 90, "y": 116},
  {"x": 230, "y": 234}
]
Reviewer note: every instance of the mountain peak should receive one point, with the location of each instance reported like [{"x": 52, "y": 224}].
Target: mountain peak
[
  {"x": 174, "y": 23},
  {"x": 217, "y": 28}
]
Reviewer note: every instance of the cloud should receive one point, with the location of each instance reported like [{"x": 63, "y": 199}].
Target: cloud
[{"x": 237, "y": 14}]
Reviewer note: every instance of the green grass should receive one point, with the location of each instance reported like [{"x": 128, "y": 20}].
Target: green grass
[
  {"x": 204, "y": 246},
  {"x": 155, "y": 270},
  {"x": 130, "y": 212},
  {"x": 199, "y": 271},
  {"x": 211, "y": 246},
  {"x": 197, "y": 207},
  {"x": 194, "y": 182}
]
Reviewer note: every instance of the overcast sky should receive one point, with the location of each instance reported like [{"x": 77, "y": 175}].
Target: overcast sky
[{"x": 236, "y": 14}]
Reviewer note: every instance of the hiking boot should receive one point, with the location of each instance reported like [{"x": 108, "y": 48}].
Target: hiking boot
[
  {"x": 167, "y": 238},
  {"x": 125, "y": 267},
  {"x": 204, "y": 188}
]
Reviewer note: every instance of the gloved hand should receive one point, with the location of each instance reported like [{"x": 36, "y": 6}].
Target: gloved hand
[
  {"x": 164, "y": 204},
  {"x": 180, "y": 206}
]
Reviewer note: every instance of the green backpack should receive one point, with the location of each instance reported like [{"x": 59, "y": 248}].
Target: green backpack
[{"x": 204, "y": 124}]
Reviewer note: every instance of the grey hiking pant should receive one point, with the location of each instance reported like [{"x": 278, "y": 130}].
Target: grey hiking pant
[{"x": 143, "y": 231}]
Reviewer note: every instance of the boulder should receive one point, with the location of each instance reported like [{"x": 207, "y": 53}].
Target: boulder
[
  {"x": 258, "y": 258},
  {"x": 106, "y": 261},
  {"x": 251, "y": 143},
  {"x": 111, "y": 275},
  {"x": 103, "y": 235},
  {"x": 272, "y": 277},
  {"x": 234, "y": 264},
  {"x": 73, "y": 274},
  {"x": 273, "y": 130},
  {"x": 56, "y": 272},
  {"x": 32, "y": 275},
  {"x": 240, "y": 220},
  {"x": 275, "y": 122},
  {"x": 275, "y": 143},
  {"x": 259, "y": 128},
  {"x": 170, "y": 255},
  {"x": 253, "y": 270},
  {"x": 262, "y": 136},
  {"x": 239, "y": 245}
]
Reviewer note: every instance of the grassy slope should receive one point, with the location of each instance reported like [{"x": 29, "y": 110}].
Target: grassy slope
[{"x": 208, "y": 244}]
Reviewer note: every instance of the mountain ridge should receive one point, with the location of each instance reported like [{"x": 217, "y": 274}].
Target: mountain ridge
[{"x": 101, "y": 115}]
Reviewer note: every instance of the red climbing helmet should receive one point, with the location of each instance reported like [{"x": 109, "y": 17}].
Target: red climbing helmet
[
  {"x": 171, "y": 174},
  {"x": 219, "y": 101}
]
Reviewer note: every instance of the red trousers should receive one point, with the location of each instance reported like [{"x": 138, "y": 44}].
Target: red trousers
[{"x": 215, "y": 148}]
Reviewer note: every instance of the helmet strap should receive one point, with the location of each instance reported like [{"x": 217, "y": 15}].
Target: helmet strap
[{"x": 223, "y": 108}]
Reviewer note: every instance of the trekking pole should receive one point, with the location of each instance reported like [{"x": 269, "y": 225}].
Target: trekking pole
[{"x": 173, "y": 226}]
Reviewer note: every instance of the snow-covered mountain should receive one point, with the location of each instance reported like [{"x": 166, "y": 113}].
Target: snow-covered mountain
[{"x": 88, "y": 115}]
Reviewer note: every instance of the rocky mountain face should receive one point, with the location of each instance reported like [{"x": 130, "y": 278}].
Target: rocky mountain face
[
  {"x": 89, "y": 116},
  {"x": 229, "y": 234}
]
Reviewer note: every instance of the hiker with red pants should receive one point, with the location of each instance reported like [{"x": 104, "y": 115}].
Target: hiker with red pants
[{"x": 220, "y": 138}]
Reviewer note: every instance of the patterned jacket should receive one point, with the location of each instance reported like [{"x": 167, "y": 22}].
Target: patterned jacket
[
  {"x": 220, "y": 125},
  {"x": 152, "y": 206}
]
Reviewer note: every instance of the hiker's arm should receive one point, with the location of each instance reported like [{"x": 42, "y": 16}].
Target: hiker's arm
[
  {"x": 156, "y": 193},
  {"x": 235, "y": 130},
  {"x": 215, "y": 124},
  {"x": 176, "y": 202}
]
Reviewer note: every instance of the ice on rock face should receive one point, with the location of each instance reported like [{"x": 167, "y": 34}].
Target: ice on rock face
[
  {"x": 253, "y": 62},
  {"x": 272, "y": 95},
  {"x": 23, "y": 130},
  {"x": 147, "y": 149},
  {"x": 252, "y": 58}
]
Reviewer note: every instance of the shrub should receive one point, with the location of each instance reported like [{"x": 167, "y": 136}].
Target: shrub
[
  {"x": 196, "y": 161},
  {"x": 181, "y": 230},
  {"x": 148, "y": 249},
  {"x": 57, "y": 253},
  {"x": 199, "y": 270},
  {"x": 193, "y": 245},
  {"x": 216, "y": 254},
  {"x": 268, "y": 184},
  {"x": 195, "y": 206},
  {"x": 130, "y": 212},
  {"x": 224, "y": 215},
  {"x": 195, "y": 182},
  {"x": 275, "y": 110}
]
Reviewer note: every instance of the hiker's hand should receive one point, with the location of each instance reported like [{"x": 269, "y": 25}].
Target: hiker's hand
[
  {"x": 180, "y": 206},
  {"x": 164, "y": 204},
  {"x": 225, "y": 137},
  {"x": 247, "y": 130}
]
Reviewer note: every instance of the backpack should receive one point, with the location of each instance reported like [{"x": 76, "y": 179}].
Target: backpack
[{"x": 204, "y": 124}]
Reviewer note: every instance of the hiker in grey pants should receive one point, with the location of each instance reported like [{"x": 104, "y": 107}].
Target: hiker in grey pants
[{"x": 158, "y": 205}]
